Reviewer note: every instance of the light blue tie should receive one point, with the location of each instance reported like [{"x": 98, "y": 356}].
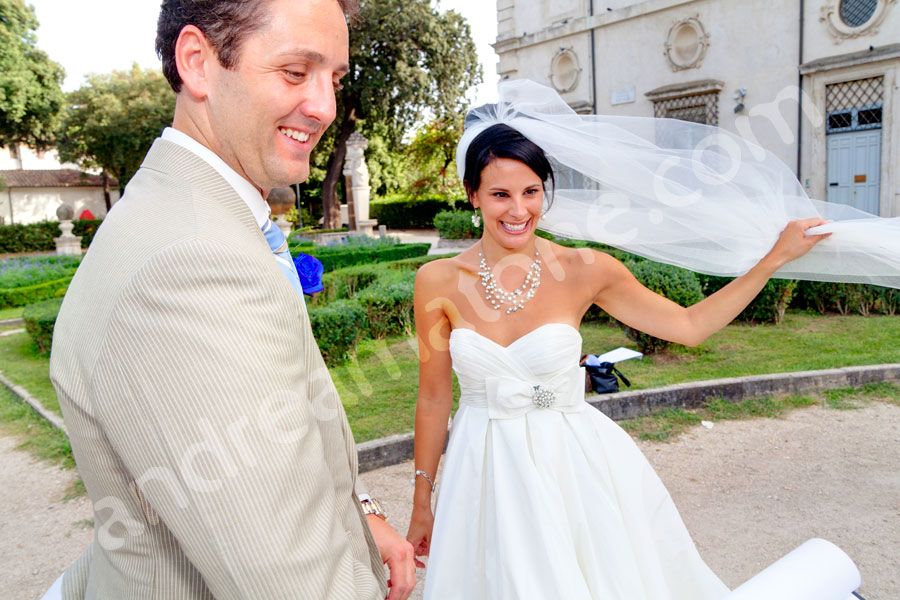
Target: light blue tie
[{"x": 279, "y": 246}]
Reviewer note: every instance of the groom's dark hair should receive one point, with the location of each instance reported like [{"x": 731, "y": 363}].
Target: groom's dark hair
[{"x": 225, "y": 23}]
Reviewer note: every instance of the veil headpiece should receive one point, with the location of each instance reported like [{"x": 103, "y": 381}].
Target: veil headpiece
[{"x": 682, "y": 193}]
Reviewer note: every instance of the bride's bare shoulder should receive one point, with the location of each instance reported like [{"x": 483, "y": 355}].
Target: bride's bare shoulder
[
  {"x": 439, "y": 273},
  {"x": 582, "y": 259}
]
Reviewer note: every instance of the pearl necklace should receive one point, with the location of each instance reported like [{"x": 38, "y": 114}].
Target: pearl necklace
[{"x": 517, "y": 298}]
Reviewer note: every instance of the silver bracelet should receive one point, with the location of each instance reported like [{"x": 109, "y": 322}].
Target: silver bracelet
[{"x": 427, "y": 478}]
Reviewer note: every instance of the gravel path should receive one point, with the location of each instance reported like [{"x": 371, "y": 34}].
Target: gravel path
[{"x": 749, "y": 492}]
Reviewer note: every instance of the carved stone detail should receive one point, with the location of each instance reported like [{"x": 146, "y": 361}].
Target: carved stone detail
[
  {"x": 686, "y": 44},
  {"x": 830, "y": 15},
  {"x": 565, "y": 70}
]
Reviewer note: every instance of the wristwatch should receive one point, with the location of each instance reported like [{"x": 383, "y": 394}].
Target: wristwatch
[{"x": 370, "y": 506}]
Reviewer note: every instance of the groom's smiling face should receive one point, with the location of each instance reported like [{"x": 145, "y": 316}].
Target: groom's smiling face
[{"x": 268, "y": 112}]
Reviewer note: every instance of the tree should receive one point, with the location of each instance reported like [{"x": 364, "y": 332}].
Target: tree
[
  {"x": 405, "y": 58},
  {"x": 433, "y": 154},
  {"x": 112, "y": 120},
  {"x": 30, "y": 83}
]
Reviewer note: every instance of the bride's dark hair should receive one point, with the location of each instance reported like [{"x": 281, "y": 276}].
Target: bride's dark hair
[{"x": 502, "y": 141}]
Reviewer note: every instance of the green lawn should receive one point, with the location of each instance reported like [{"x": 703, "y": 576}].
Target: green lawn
[
  {"x": 21, "y": 363},
  {"x": 379, "y": 388},
  {"x": 36, "y": 434},
  {"x": 802, "y": 342},
  {"x": 11, "y": 313}
]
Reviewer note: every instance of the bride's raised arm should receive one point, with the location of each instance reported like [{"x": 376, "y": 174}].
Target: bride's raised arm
[{"x": 624, "y": 298}]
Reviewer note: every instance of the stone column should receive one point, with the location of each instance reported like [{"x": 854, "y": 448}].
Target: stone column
[{"x": 356, "y": 180}]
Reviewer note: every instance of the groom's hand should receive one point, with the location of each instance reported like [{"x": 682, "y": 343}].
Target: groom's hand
[{"x": 397, "y": 554}]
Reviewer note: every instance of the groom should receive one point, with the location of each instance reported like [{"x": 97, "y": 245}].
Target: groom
[{"x": 207, "y": 430}]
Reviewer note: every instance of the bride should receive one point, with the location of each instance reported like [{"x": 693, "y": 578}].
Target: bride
[{"x": 543, "y": 496}]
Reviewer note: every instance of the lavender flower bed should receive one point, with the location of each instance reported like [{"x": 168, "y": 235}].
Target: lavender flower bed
[{"x": 31, "y": 270}]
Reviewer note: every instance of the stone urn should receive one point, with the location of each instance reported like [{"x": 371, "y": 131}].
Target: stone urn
[
  {"x": 67, "y": 243},
  {"x": 281, "y": 200}
]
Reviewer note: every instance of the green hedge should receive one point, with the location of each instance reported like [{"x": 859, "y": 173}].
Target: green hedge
[
  {"x": 847, "y": 298},
  {"x": 347, "y": 282},
  {"x": 38, "y": 237},
  {"x": 389, "y": 304},
  {"x": 338, "y": 327},
  {"x": 21, "y": 296},
  {"x": 40, "y": 319},
  {"x": 401, "y": 212},
  {"x": 457, "y": 225},
  {"x": 768, "y": 306},
  {"x": 679, "y": 285},
  {"x": 348, "y": 255}
]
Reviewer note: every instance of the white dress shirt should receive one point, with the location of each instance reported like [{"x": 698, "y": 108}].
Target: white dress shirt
[{"x": 246, "y": 190}]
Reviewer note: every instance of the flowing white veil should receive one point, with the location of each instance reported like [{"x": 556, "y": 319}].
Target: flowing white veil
[{"x": 681, "y": 193}]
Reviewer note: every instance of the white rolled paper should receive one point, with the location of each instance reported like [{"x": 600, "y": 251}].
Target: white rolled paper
[{"x": 817, "y": 570}]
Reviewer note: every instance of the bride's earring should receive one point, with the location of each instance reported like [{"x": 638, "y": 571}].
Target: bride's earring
[{"x": 476, "y": 220}]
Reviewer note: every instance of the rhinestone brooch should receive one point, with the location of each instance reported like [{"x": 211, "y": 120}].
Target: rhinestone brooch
[{"x": 543, "y": 398}]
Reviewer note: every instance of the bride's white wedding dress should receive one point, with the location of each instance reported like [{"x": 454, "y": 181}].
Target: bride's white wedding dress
[{"x": 550, "y": 502}]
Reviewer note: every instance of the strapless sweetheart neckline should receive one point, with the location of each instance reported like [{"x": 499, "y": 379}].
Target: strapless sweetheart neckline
[{"x": 518, "y": 339}]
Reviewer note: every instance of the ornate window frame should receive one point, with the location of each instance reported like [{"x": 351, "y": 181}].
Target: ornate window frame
[
  {"x": 702, "y": 95},
  {"x": 830, "y": 15},
  {"x": 563, "y": 86},
  {"x": 676, "y": 63}
]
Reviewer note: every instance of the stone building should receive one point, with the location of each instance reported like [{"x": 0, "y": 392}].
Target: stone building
[
  {"x": 33, "y": 184},
  {"x": 737, "y": 64}
]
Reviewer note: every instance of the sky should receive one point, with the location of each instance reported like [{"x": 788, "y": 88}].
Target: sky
[{"x": 99, "y": 36}]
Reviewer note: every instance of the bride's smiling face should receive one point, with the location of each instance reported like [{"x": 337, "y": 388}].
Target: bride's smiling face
[{"x": 511, "y": 197}]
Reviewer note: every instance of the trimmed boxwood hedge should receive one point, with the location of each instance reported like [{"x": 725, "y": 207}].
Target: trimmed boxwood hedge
[
  {"x": 21, "y": 296},
  {"x": 457, "y": 225},
  {"x": 38, "y": 237},
  {"x": 338, "y": 327},
  {"x": 389, "y": 304},
  {"x": 401, "y": 212},
  {"x": 336, "y": 257},
  {"x": 40, "y": 318}
]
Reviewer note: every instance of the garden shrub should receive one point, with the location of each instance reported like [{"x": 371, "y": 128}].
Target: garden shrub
[
  {"x": 768, "y": 306},
  {"x": 363, "y": 250},
  {"x": 413, "y": 264},
  {"x": 38, "y": 237},
  {"x": 338, "y": 327},
  {"x": 86, "y": 228},
  {"x": 40, "y": 319},
  {"x": 347, "y": 282},
  {"x": 456, "y": 225},
  {"x": 402, "y": 212},
  {"x": 21, "y": 296},
  {"x": 389, "y": 304},
  {"x": 888, "y": 300},
  {"x": 846, "y": 298},
  {"x": 676, "y": 284}
]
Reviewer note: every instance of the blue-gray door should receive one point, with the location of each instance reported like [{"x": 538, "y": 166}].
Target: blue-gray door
[{"x": 853, "y": 169}]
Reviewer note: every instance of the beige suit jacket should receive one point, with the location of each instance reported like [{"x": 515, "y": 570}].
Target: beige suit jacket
[{"x": 204, "y": 423}]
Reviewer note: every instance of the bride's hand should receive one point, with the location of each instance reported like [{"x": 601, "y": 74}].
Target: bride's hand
[
  {"x": 420, "y": 525},
  {"x": 793, "y": 241}
]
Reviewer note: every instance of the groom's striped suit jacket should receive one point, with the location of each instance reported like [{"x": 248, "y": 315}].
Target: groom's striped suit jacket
[{"x": 204, "y": 423}]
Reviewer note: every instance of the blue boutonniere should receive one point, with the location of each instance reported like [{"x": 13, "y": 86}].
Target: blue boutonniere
[{"x": 309, "y": 269}]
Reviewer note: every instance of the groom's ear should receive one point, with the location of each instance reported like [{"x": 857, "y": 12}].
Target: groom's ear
[{"x": 194, "y": 56}]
